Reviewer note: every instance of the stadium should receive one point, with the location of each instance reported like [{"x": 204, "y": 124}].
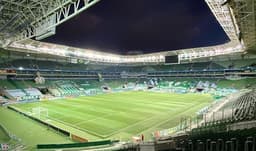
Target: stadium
[{"x": 60, "y": 97}]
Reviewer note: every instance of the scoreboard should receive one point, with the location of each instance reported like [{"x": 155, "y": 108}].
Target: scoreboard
[{"x": 172, "y": 59}]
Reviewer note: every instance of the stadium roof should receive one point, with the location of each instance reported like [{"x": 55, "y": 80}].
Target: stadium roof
[
  {"x": 142, "y": 26},
  {"x": 26, "y": 19},
  {"x": 23, "y": 19}
]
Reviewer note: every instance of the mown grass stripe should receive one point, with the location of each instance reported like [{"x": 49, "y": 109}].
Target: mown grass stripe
[{"x": 126, "y": 113}]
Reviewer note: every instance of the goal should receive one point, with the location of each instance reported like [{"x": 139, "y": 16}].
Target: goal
[{"x": 40, "y": 112}]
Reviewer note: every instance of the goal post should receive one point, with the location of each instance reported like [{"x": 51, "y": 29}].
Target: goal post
[{"x": 40, "y": 112}]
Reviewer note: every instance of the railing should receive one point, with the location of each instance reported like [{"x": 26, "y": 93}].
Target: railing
[{"x": 75, "y": 145}]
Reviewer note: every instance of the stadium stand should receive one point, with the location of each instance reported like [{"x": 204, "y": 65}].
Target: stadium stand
[
  {"x": 68, "y": 88},
  {"x": 244, "y": 108},
  {"x": 236, "y": 63},
  {"x": 33, "y": 93},
  {"x": 5, "y": 84},
  {"x": 69, "y": 80},
  {"x": 214, "y": 125},
  {"x": 3, "y": 100},
  {"x": 32, "y": 70},
  {"x": 235, "y": 132},
  {"x": 54, "y": 91},
  {"x": 22, "y": 94},
  {"x": 14, "y": 94},
  {"x": 53, "y": 65}
]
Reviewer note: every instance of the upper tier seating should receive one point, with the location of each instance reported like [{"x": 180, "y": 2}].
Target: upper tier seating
[{"x": 38, "y": 64}]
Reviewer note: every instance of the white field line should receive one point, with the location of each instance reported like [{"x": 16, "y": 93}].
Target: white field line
[
  {"x": 73, "y": 126},
  {"x": 102, "y": 117},
  {"x": 76, "y": 105},
  {"x": 80, "y": 107},
  {"x": 147, "y": 119},
  {"x": 109, "y": 114},
  {"x": 76, "y": 124},
  {"x": 116, "y": 131},
  {"x": 172, "y": 107},
  {"x": 172, "y": 118},
  {"x": 174, "y": 103},
  {"x": 94, "y": 119}
]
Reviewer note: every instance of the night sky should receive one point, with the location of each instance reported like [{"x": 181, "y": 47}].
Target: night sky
[{"x": 120, "y": 26}]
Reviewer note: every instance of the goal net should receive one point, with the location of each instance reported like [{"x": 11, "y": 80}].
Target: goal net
[{"x": 40, "y": 112}]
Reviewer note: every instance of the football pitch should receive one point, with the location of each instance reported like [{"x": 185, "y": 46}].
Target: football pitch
[{"x": 119, "y": 115}]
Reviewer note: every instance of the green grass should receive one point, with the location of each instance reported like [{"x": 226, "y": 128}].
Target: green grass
[
  {"x": 29, "y": 131},
  {"x": 120, "y": 115},
  {"x": 4, "y": 138}
]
